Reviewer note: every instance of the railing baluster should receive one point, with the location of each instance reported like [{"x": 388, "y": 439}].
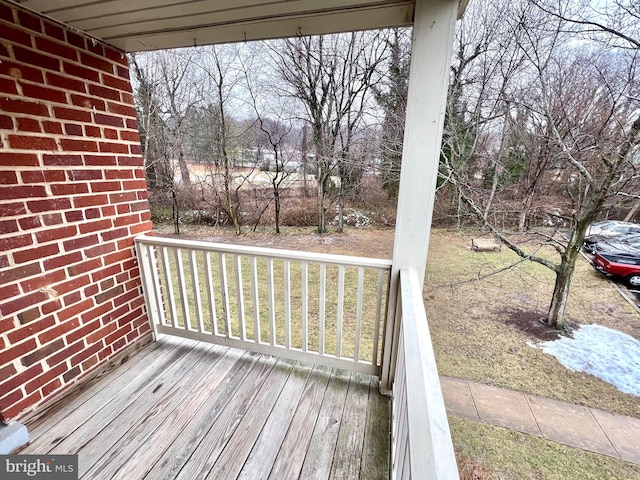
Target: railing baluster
[
  {"x": 356, "y": 348},
  {"x": 305, "y": 306},
  {"x": 224, "y": 286},
  {"x": 196, "y": 289},
  {"x": 183, "y": 289},
  {"x": 168, "y": 281},
  {"x": 321, "y": 308},
  {"x": 376, "y": 331},
  {"x": 340, "y": 314},
  {"x": 240, "y": 298},
  {"x": 256, "y": 300},
  {"x": 210, "y": 288},
  {"x": 287, "y": 304},
  {"x": 272, "y": 302}
]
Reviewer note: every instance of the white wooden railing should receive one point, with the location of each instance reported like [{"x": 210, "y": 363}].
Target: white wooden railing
[
  {"x": 323, "y": 308},
  {"x": 421, "y": 445}
]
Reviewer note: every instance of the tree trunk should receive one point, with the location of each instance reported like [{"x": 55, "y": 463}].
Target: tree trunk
[
  {"x": 632, "y": 212},
  {"x": 341, "y": 207},
  {"x": 322, "y": 186}
]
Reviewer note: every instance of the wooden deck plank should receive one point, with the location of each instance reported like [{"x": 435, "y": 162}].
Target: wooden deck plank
[
  {"x": 318, "y": 461},
  {"x": 194, "y": 412},
  {"x": 177, "y": 452},
  {"x": 147, "y": 390},
  {"x": 348, "y": 455},
  {"x": 375, "y": 455},
  {"x": 289, "y": 461},
  {"x": 129, "y": 434},
  {"x": 237, "y": 450},
  {"x": 52, "y": 431},
  {"x": 266, "y": 448},
  {"x": 214, "y": 441}
]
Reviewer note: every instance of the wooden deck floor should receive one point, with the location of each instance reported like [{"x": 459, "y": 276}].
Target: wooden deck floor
[{"x": 186, "y": 410}]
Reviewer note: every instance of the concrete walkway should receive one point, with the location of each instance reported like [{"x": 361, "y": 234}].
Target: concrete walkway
[{"x": 583, "y": 427}]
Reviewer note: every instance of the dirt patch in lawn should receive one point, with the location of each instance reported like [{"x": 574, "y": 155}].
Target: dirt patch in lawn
[{"x": 531, "y": 324}]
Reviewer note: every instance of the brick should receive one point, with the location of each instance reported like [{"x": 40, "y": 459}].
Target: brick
[
  {"x": 29, "y": 20},
  {"x": 66, "y": 83},
  {"x": 16, "y": 35},
  {"x": 56, "y": 49},
  {"x": 115, "y": 234},
  {"x": 28, "y": 125},
  {"x": 69, "y": 188},
  {"x": 65, "y": 353},
  {"x": 29, "y": 316},
  {"x": 45, "y": 378},
  {"x": 10, "y": 354},
  {"x": 53, "y": 234},
  {"x": 42, "y": 353},
  {"x": 72, "y": 114},
  {"x": 14, "y": 159},
  {"x": 51, "y": 387},
  {"x": 34, "y": 58},
  {"x": 107, "y": 272},
  {"x": 88, "y": 227},
  {"x": 135, "y": 149},
  {"x": 52, "y": 127},
  {"x": 31, "y": 330},
  {"x": 84, "y": 175},
  {"x": 62, "y": 261},
  {"x": 8, "y": 226},
  {"x": 91, "y": 131},
  {"x": 50, "y": 219},
  {"x": 61, "y": 159},
  {"x": 76, "y": 309},
  {"x": 44, "y": 281},
  {"x": 105, "y": 186},
  {"x": 112, "y": 120},
  {"x": 112, "y": 147},
  {"x": 96, "y": 62},
  {"x": 24, "y": 107},
  {"x": 110, "y": 134},
  {"x": 123, "y": 72},
  {"x": 11, "y": 209},
  {"x": 42, "y": 176},
  {"x": 89, "y": 201},
  {"x": 19, "y": 71},
  {"x": 129, "y": 136},
  {"x": 58, "y": 331},
  {"x": 88, "y": 102},
  {"x": 124, "y": 110},
  {"x": 104, "y": 92},
  {"x": 89, "y": 363},
  {"x": 141, "y": 228},
  {"x": 7, "y": 371},
  {"x": 32, "y": 142},
  {"x": 101, "y": 333},
  {"x": 102, "y": 160},
  {"x": 73, "y": 129},
  {"x": 118, "y": 174},
  {"x": 121, "y": 332},
  {"x": 127, "y": 98},
  {"x": 80, "y": 72},
  {"x": 116, "y": 82},
  {"x": 71, "y": 374},
  {"x": 9, "y": 291},
  {"x": 79, "y": 243},
  {"x": 6, "y": 122},
  {"x": 76, "y": 39},
  {"x": 22, "y": 191},
  {"x": 8, "y": 85},
  {"x": 14, "y": 409},
  {"x": 6, "y": 13},
  {"x": 109, "y": 294},
  {"x": 17, "y": 273},
  {"x": 53, "y": 30},
  {"x": 39, "y": 206},
  {"x": 51, "y": 306},
  {"x": 91, "y": 213},
  {"x": 16, "y": 241},
  {"x": 35, "y": 253},
  {"x": 44, "y": 93},
  {"x": 108, "y": 211},
  {"x": 21, "y": 378},
  {"x": 100, "y": 250},
  {"x": 27, "y": 223},
  {"x": 117, "y": 56},
  {"x": 73, "y": 216},
  {"x": 95, "y": 47},
  {"x": 8, "y": 178},
  {"x": 79, "y": 145}
]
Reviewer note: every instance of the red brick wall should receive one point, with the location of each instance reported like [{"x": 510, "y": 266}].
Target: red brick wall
[{"x": 72, "y": 198}]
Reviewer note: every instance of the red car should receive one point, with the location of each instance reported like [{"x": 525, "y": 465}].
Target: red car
[{"x": 620, "y": 265}]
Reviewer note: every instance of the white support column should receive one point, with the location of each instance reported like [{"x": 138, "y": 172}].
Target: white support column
[{"x": 433, "y": 31}]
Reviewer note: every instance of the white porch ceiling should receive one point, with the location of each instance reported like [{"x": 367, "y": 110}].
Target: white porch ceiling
[{"x": 136, "y": 25}]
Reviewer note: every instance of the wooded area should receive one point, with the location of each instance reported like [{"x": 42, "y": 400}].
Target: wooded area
[{"x": 542, "y": 127}]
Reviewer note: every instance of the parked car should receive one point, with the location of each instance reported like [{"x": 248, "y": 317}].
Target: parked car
[
  {"x": 627, "y": 244},
  {"x": 624, "y": 266},
  {"x": 607, "y": 231}
]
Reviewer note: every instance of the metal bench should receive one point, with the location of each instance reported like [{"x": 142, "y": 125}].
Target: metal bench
[{"x": 485, "y": 245}]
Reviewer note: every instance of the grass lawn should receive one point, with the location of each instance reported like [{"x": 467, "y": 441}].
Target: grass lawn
[{"x": 483, "y": 322}]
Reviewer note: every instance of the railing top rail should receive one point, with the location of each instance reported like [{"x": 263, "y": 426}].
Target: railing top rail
[{"x": 347, "y": 260}]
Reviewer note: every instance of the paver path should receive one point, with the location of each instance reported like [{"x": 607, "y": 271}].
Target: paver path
[{"x": 583, "y": 427}]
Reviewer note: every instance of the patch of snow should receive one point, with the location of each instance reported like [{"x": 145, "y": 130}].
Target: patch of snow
[{"x": 608, "y": 354}]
